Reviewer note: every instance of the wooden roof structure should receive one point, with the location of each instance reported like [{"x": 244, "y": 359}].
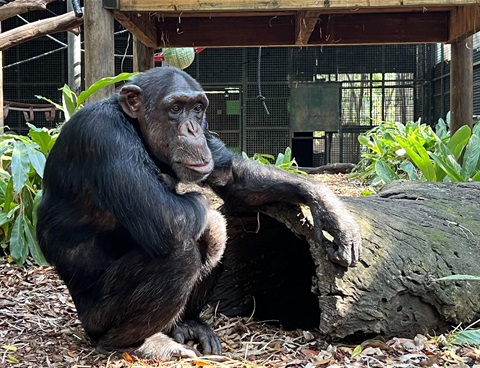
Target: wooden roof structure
[{"x": 243, "y": 23}]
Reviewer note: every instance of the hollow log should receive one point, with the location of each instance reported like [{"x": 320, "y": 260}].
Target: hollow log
[{"x": 414, "y": 232}]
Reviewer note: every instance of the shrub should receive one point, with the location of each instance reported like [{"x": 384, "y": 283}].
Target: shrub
[
  {"x": 414, "y": 151},
  {"x": 283, "y": 161}
]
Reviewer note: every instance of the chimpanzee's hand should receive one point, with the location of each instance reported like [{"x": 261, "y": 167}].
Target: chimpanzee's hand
[
  {"x": 331, "y": 215},
  {"x": 197, "y": 330}
]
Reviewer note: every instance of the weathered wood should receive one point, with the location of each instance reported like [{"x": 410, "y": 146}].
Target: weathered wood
[
  {"x": 335, "y": 168},
  {"x": 461, "y": 84},
  {"x": 244, "y": 5},
  {"x": 99, "y": 47},
  {"x": 413, "y": 233},
  {"x": 21, "y": 6},
  {"x": 305, "y": 22},
  {"x": 464, "y": 22},
  {"x": 142, "y": 56},
  {"x": 30, "y": 31}
]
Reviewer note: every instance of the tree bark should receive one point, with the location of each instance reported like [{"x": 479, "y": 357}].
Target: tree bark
[
  {"x": 22, "y": 6},
  {"x": 60, "y": 23},
  {"x": 414, "y": 232}
]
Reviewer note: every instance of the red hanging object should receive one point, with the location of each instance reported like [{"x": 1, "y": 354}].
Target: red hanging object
[{"x": 159, "y": 55}]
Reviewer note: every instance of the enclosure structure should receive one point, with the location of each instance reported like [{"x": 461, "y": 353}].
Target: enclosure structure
[{"x": 377, "y": 82}]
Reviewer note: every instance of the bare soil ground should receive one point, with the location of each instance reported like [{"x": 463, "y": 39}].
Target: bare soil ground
[{"x": 39, "y": 328}]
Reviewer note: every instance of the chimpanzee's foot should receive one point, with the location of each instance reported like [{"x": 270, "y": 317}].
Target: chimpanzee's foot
[
  {"x": 197, "y": 330},
  {"x": 163, "y": 347}
]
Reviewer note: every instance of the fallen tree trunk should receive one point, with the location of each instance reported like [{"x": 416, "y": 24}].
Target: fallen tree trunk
[{"x": 414, "y": 232}]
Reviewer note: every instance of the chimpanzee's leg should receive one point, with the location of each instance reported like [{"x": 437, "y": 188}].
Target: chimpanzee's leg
[
  {"x": 137, "y": 298},
  {"x": 192, "y": 327}
]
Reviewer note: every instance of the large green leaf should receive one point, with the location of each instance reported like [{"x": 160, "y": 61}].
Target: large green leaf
[
  {"x": 20, "y": 165},
  {"x": 69, "y": 102},
  {"x": 471, "y": 157},
  {"x": 37, "y": 160},
  {"x": 448, "y": 164},
  {"x": 459, "y": 277},
  {"x": 421, "y": 159},
  {"x": 468, "y": 337},
  {"x": 410, "y": 169},
  {"x": 42, "y": 137},
  {"x": 385, "y": 172},
  {"x": 459, "y": 140},
  {"x": 18, "y": 243},
  {"x": 33, "y": 246},
  {"x": 7, "y": 205},
  {"x": 36, "y": 203},
  {"x": 101, "y": 83}
]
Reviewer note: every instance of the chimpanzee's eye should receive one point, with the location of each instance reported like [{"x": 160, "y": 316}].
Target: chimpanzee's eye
[
  {"x": 198, "y": 107},
  {"x": 175, "y": 108}
]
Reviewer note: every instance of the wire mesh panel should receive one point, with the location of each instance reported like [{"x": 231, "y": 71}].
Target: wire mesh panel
[
  {"x": 224, "y": 114},
  {"x": 267, "y": 141}
]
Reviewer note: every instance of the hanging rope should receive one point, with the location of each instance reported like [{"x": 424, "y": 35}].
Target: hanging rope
[{"x": 260, "y": 97}]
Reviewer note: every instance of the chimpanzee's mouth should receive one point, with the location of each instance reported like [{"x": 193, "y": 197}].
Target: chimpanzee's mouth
[{"x": 202, "y": 167}]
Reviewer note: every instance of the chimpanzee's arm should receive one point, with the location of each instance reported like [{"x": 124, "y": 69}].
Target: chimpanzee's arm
[
  {"x": 108, "y": 174},
  {"x": 244, "y": 184}
]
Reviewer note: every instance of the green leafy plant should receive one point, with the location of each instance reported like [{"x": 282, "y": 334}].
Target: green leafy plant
[
  {"x": 283, "y": 161},
  {"x": 21, "y": 172},
  {"x": 414, "y": 151},
  {"x": 72, "y": 103}
]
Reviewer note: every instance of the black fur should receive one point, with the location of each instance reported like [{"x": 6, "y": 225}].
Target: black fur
[{"x": 138, "y": 257}]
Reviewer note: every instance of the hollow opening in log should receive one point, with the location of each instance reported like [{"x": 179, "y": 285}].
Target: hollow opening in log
[{"x": 268, "y": 273}]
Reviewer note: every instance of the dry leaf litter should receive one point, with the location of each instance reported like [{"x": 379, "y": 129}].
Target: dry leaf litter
[{"x": 39, "y": 328}]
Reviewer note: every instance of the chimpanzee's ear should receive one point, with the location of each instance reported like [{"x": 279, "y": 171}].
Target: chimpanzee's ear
[{"x": 130, "y": 100}]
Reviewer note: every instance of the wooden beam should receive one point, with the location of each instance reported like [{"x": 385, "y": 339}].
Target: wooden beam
[
  {"x": 464, "y": 22},
  {"x": 227, "y": 31},
  {"x": 10, "y": 9},
  {"x": 246, "y": 5},
  {"x": 461, "y": 84},
  {"x": 142, "y": 25},
  {"x": 384, "y": 28},
  {"x": 30, "y": 31},
  {"x": 142, "y": 56},
  {"x": 305, "y": 22},
  {"x": 338, "y": 29},
  {"x": 99, "y": 47}
]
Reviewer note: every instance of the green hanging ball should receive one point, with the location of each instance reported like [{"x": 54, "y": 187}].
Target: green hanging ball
[{"x": 181, "y": 57}]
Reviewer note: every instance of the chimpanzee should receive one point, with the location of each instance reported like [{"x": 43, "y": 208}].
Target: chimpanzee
[{"x": 136, "y": 255}]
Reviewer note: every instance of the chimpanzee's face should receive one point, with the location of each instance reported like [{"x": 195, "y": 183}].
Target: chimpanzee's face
[{"x": 171, "y": 116}]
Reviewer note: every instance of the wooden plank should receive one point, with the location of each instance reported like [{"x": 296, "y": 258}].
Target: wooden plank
[
  {"x": 227, "y": 31},
  {"x": 382, "y": 28},
  {"x": 464, "y": 22},
  {"x": 249, "y": 5},
  {"x": 139, "y": 24},
  {"x": 142, "y": 56},
  {"x": 305, "y": 22},
  {"x": 245, "y": 5},
  {"x": 99, "y": 47},
  {"x": 461, "y": 84}
]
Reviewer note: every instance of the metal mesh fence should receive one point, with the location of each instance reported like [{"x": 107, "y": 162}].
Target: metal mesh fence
[{"x": 377, "y": 83}]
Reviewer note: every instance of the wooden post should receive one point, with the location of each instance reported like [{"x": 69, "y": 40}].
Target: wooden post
[
  {"x": 142, "y": 56},
  {"x": 74, "y": 59},
  {"x": 461, "y": 84},
  {"x": 1, "y": 86},
  {"x": 99, "y": 47}
]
